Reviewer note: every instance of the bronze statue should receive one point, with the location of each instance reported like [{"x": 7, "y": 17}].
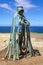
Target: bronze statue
[{"x": 16, "y": 47}]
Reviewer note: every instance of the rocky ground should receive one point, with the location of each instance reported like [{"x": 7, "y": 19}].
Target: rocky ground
[{"x": 37, "y": 42}]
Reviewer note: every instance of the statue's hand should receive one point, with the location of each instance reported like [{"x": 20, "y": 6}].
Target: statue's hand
[
  {"x": 22, "y": 22},
  {"x": 28, "y": 23}
]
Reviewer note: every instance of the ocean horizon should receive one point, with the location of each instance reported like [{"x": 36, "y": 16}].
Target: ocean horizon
[{"x": 7, "y": 29}]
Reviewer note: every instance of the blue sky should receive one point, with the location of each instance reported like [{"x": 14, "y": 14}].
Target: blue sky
[{"x": 33, "y": 11}]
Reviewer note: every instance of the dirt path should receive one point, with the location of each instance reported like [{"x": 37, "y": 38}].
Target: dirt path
[{"x": 36, "y": 60}]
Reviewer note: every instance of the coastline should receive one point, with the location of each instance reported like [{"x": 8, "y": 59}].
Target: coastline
[{"x": 36, "y": 39}]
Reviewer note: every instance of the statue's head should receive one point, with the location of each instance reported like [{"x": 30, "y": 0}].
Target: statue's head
[{"x": 20, "y": 9}]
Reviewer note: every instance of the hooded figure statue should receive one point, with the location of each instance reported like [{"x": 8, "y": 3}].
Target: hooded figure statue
[{"x": 15, "y": 45}]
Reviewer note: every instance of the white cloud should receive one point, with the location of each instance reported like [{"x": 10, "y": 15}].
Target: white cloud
[
  {"x": 25, "y": 3},
  {"x": 6, "y": 6}
]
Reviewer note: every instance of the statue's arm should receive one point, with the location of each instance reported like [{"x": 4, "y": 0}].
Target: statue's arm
[{"x": 26, "y": 21}]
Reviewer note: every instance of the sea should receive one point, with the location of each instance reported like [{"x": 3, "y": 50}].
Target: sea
[{"x": 7, "y": 29}]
